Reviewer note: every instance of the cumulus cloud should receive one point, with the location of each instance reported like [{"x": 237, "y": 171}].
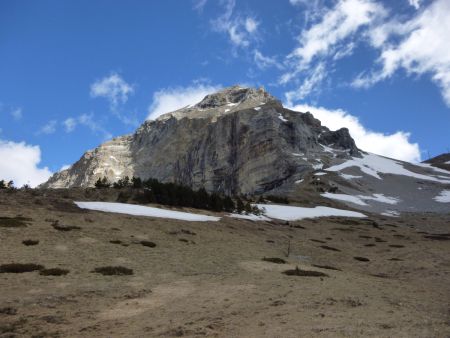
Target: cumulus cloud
[
  {"x": 170, "y": 99},
  {"x": 396, "y": 145},
  {"x": 113, "y": 88},
  {"x": 418, "y": 45},
  {"x": 20, "y": 163},
  {"x": 240, "y": 30}
]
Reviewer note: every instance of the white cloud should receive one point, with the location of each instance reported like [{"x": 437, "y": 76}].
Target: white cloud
[
  {"x": 251, "y": 25},
  {"x": 199, "y": 5},
  {"x": 338, "y": 24},
  {"x": 419, "y": 46},
  {"x": 240, "y": 30},
  {"x": 114, "y": 88},
  {"x": 312, "y": 83},
  {"x": 396, "y": 145},
  {"x": 48, "y": 128},
  {"x": 20, "y": 163},
  {"x": 65, "y": 167},
  {"x": 170, "y": 99},
  {"x": 88, "y": 121},
  {"x": 70, "y": 124},
  {"x": 17, "y": 114},
  {"x": 415, "y": 3},
  {"x": 263, "y": 62}
]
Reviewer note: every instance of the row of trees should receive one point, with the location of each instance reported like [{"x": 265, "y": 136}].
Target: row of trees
[{"x": 153, "y": 191}]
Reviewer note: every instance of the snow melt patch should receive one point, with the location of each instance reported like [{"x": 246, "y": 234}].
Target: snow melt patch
[
  {"x": 345, "y": 198},
  {"x": 372, "y": 165},
  {"x": 349, "y": 177},
  {"x": 290, "y": 213},
  {"x": 443, "y": 197},
  {"x": 360, "y": 199},
  {"x": 139, "y": 210},
  {"x": 299, "y": 181},
  {"x": 321, "y": 173},
  {"x": 390, "y": 213},
  {"x": 281, "y": 117},
  {"x": 257, "y": 108}
]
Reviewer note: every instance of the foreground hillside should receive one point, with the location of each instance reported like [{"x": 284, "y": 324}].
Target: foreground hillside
[{"x": 383, "y": 276}]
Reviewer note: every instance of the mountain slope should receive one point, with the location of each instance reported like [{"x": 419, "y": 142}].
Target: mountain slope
[
  {"x": 239, "y": 140},
  {"x": 243, "y": 141}
]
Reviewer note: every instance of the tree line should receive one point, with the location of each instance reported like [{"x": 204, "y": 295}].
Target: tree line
[{"x": 153, "y": 191}]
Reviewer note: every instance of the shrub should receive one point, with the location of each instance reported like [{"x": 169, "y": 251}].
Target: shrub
[
  {"x": 20, "y": 268},
  {"x": 113, "y": 271},
  {"x": 54, "y": 272}
]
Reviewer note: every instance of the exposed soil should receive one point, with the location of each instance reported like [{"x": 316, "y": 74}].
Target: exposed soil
[{"x": 221, "y": 286}]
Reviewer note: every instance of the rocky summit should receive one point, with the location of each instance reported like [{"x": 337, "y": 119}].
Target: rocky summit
[{"x": 238, "y": 140}]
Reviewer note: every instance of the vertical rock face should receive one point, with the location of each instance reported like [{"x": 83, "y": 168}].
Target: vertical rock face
[{"x": 239, "y": 140}]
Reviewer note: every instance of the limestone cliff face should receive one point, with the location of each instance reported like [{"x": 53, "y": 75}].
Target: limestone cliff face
[{"x": 239, "y": 140}]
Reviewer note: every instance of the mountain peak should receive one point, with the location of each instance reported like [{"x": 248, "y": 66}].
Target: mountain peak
[{"x": 226, "y": 100}]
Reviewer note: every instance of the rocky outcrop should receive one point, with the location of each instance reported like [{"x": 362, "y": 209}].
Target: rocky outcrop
[{"x": 239, "y": 140}]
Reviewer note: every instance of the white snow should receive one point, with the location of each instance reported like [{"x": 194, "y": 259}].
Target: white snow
[
  {"x": 257, "y": 108},
  {"x": 251, "y": 217},
  {"x": 299, "y": 181},
  {"x": 227, "y": 110},
  {"x": 318, "y": 166},
  {"x": 298, "y": 154},
  {"x": 359, "y": 199},
  {"x": 448, "y": 162},
  {"x": 343, "y": 197},
  {"x": 349, "y": 177},
  {"x": 290, "y": 213},
  {"x": 390, "y": 213},
  {"x": 281, "y": 117},
  {"x": 139, "y": 210},
  {"x": 113, "y": 158},
  {"x": 231, "y": 104},
  {"x": 327, "y": 149},
  {"x": 372, "y": 165},
  {"x": 321, "y": 173},
  {"x": 443, "y": 197},
  {"x": 381, "y": 198}
]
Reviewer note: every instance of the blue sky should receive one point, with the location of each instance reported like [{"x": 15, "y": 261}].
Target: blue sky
[{"x": 76, "y": 73}]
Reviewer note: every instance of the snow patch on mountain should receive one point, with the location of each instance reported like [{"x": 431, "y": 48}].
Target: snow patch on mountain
[
  {"x": 139, "y": 210},
  {"x": 374, "y": 165},
  {"x": 443, "y": 197},
  {"x": 291, "y": 213}
]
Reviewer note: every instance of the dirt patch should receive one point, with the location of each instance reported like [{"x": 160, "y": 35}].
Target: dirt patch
[
  {"x": 14, "y": 222},
  {"x": 361, "y": 259},
  {"x": 61, "y": 227},
  {"x": 396, "y": 246},
  {"x": 275, "y": 260},
  {"x": 148, "y": 243},
  {"x": 326, "y": 247},
  {"x": 438, "y": 237},
  {"x": 20, "y": 268},
  {"x": 30, "y": 242},
  {"x": 54, "y": 272},
  {"x": 9, "y": 311},
  {"x": 327, "y": 267},
  {"x": 304, "y": 273},
  {"x": 113, "y": 271}
]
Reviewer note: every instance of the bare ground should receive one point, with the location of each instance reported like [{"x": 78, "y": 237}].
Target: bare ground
[{"x": 210, "y": 279}]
